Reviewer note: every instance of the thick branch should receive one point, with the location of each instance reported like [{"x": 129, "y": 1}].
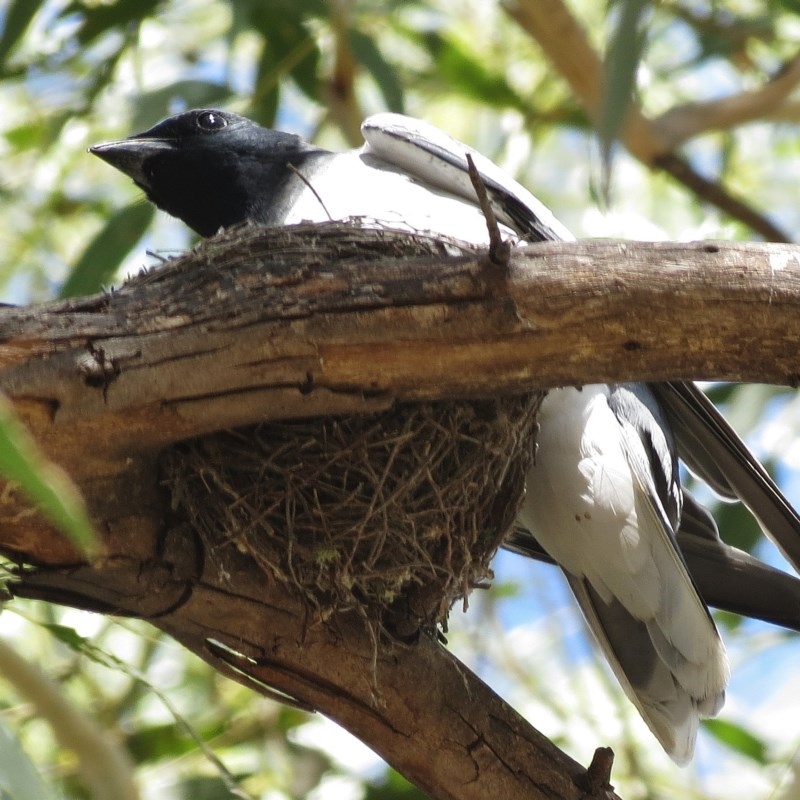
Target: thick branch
[
  {"x": 195, "y": 347},
  {"x": 263, "y": 324},
  {"x": 247, "y": 329},
  {"x": 416, "y": 705}
]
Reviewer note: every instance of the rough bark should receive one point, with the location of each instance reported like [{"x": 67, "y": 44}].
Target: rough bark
[{"x": 268, "y": 325}]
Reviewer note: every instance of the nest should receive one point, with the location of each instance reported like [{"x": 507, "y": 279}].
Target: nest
[{"x": 395, "y": 515}]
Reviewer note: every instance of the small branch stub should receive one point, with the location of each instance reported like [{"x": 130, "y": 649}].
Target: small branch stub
[
  {"x": 499, "y": 248},
  {"x": 598, "y": 774}
]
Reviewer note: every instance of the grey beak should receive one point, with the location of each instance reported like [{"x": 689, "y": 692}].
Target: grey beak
[{"x": 129, "y": 155}]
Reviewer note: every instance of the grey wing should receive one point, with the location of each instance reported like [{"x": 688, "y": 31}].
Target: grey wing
[
  {"x": 712, "y": 450},
  {"x": 727, "y": 578},
  {"x": 670, "y": 712},
  {"x": 434, "y": 158},
  {"x": 681, "y": 630},
  {"x": 635, "y": 404},
  {"x": 731, "y": 579},
  {"x": 615, "y": 540}
]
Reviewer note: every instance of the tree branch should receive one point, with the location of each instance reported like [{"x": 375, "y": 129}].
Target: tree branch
[
  {"x": 330, "y": 319},
  {"x": 685, "y": 121},
  {"x": 567, "y": 47},
  {"x": 714, "y": 193}
]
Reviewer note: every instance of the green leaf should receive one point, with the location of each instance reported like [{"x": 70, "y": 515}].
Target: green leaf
[
  {"x": 792, "y": 6},
  {"x": 393, "y": 787},
  {"x": 721, "y": 393},
  {"x": 461, "y": 72},
  {"x": 45, "y": 484},
  {"x": 505, "y": 590},
  {"x": 738, "y": 739},
  {"x": 28, "y": 136},
  {"x": 96, "y": 19},
  {"x": 17, "y": 18},
  {"x": 67, "y": 636},
  {"x": 727, "y": 34},
  {"x": 290, "y": 718},
  {"x": 727, "y": 620},
  {"x": 167, "y": 740},
  {"x": 289, "y": 48},
  {"x": 267, "y": 95},
  {"x": 737, "y": 526},
  {"x": 39, "y": 134},
  {"x": 623, "y": 54},
  {"x": 385, "y": 75},
  {"x": 206, "y": 787},
  {"x": 107, "y": 250},
  {"x": 18, "y": 776}
]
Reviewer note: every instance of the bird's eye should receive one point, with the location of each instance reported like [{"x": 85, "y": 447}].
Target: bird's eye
[{"x": 211, "y": 121}]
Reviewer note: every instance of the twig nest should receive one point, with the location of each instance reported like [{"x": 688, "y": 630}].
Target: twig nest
[{"x": 395, "y": 515}]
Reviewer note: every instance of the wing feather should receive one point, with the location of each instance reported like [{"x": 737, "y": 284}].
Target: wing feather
[
  {"x": 433, "y": 157},
  {"x": 714, "y": 451},
  {"x": 594, "y": 505}
]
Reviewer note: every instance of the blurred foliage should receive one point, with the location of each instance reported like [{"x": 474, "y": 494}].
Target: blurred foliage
[
  {"x": 626, "y": 46},
  {"x": 738, "y": 738},
  {"x": 75, "y": 73}
]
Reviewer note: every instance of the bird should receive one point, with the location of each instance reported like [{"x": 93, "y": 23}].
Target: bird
[{"x": 604, "y": 499}]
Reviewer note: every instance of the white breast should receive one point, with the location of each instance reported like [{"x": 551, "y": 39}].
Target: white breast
[{"x": 357, "y": 185}]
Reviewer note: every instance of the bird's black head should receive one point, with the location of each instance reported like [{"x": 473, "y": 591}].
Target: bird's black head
[{"x": 209, "y": 168}]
